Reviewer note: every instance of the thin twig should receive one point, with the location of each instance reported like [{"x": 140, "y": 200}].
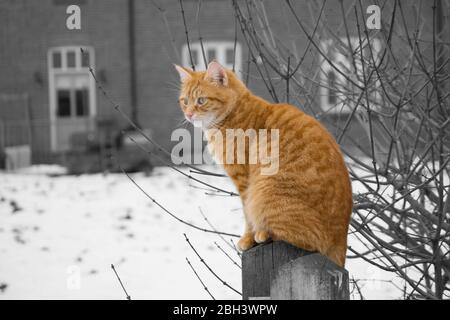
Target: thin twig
[
  {"x": 186, "y": 32},
  {"x": 208, "y": 267},
  {"x": 228, "y": 256},
  {"x": 170, "y": 213},
  {"x": 120, "y": 281},
  {"x": 231, "y": 245},
  {"x": 199, "y": 279}
]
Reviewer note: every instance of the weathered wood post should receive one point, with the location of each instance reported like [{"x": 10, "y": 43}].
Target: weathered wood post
[{"x": 280, "y": 271}]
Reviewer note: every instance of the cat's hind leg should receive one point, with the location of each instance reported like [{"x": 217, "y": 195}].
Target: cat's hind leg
[{"x": 298, "y": 225}]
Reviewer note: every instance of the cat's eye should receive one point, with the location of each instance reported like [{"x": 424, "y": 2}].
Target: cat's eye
[
  {"x": 184, "y": 101},
  {"x": 201, "y": 100}
]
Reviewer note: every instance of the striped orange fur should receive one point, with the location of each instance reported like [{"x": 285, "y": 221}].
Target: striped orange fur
[{"x": 308, "y": 203}]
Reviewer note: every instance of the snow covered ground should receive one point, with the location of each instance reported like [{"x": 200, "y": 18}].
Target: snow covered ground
[{"x": 59, "y": 235}]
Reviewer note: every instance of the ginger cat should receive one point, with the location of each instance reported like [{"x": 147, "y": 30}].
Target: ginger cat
[{"x": 308, "y": 202}]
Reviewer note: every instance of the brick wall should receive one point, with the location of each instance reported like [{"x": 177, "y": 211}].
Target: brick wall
[{"x": 28, "y": 28}]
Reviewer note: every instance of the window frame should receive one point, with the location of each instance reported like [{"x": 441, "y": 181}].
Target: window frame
[
  {"x": 337, "y": 58},
  {"x": 220, "y": 48}
]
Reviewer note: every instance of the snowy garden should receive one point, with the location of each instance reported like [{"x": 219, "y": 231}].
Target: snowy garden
[{"x": 59, "y": 235}]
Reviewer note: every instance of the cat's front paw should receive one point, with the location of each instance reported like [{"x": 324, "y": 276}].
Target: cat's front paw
[
  {"x": 246, "y": 242},
  {"x": 261, "y": 236}
]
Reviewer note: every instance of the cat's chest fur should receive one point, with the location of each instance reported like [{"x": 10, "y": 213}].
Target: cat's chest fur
[
  {"x": 224, "y": 152},
  {"x": 215, "y": 145}
]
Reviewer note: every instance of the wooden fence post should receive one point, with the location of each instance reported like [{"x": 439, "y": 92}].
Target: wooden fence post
[{"x": 280, "y": 271}]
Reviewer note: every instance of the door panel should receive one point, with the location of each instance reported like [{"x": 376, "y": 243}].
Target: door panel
[{"x": 73, "y": 107}]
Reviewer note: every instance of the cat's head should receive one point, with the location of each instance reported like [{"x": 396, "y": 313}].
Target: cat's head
[{"x": 207, "y": 97}]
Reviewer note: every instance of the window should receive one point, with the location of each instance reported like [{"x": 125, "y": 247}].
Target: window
[
  {"x": 72, "y": 83},
  {"x": 229, "y": 58},
  {"x": 85, "y": 59},
  {"x": 194, "y": 55},
  {"x": 334, "y": 85},
  {"x": 82, "y": 102},
  {"x": 70, "y": 59},
  {"x": 72, "y": 102},
  {"x": 211, "y": 54},
  {"x": 56, "y": 60},
  {"x": 63, "y": 102},
  {"x": 222, "y": 51}
]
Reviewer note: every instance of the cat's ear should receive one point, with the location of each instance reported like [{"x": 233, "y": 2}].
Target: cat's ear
[
  {"x": 185, "y": 73},
  {"x": 216, "y": 73}
]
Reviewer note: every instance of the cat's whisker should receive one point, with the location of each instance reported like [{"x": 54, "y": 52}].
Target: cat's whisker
[
  {"x": 182, "y": 123},
  {"x": 173, "y": 85}
]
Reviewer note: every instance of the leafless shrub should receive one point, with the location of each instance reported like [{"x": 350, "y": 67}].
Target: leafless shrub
[{"x": 393, "y": 83}]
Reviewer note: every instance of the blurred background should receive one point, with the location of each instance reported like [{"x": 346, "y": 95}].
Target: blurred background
[{"x": 50, "y": 109}]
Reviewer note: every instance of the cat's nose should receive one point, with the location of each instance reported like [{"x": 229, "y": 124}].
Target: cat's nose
[{"x": 189, "y": 115}]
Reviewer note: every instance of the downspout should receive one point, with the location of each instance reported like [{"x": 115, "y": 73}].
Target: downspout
[
  {"x": 440, "y": 32},
  {"x": 131, "y": 49}
]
